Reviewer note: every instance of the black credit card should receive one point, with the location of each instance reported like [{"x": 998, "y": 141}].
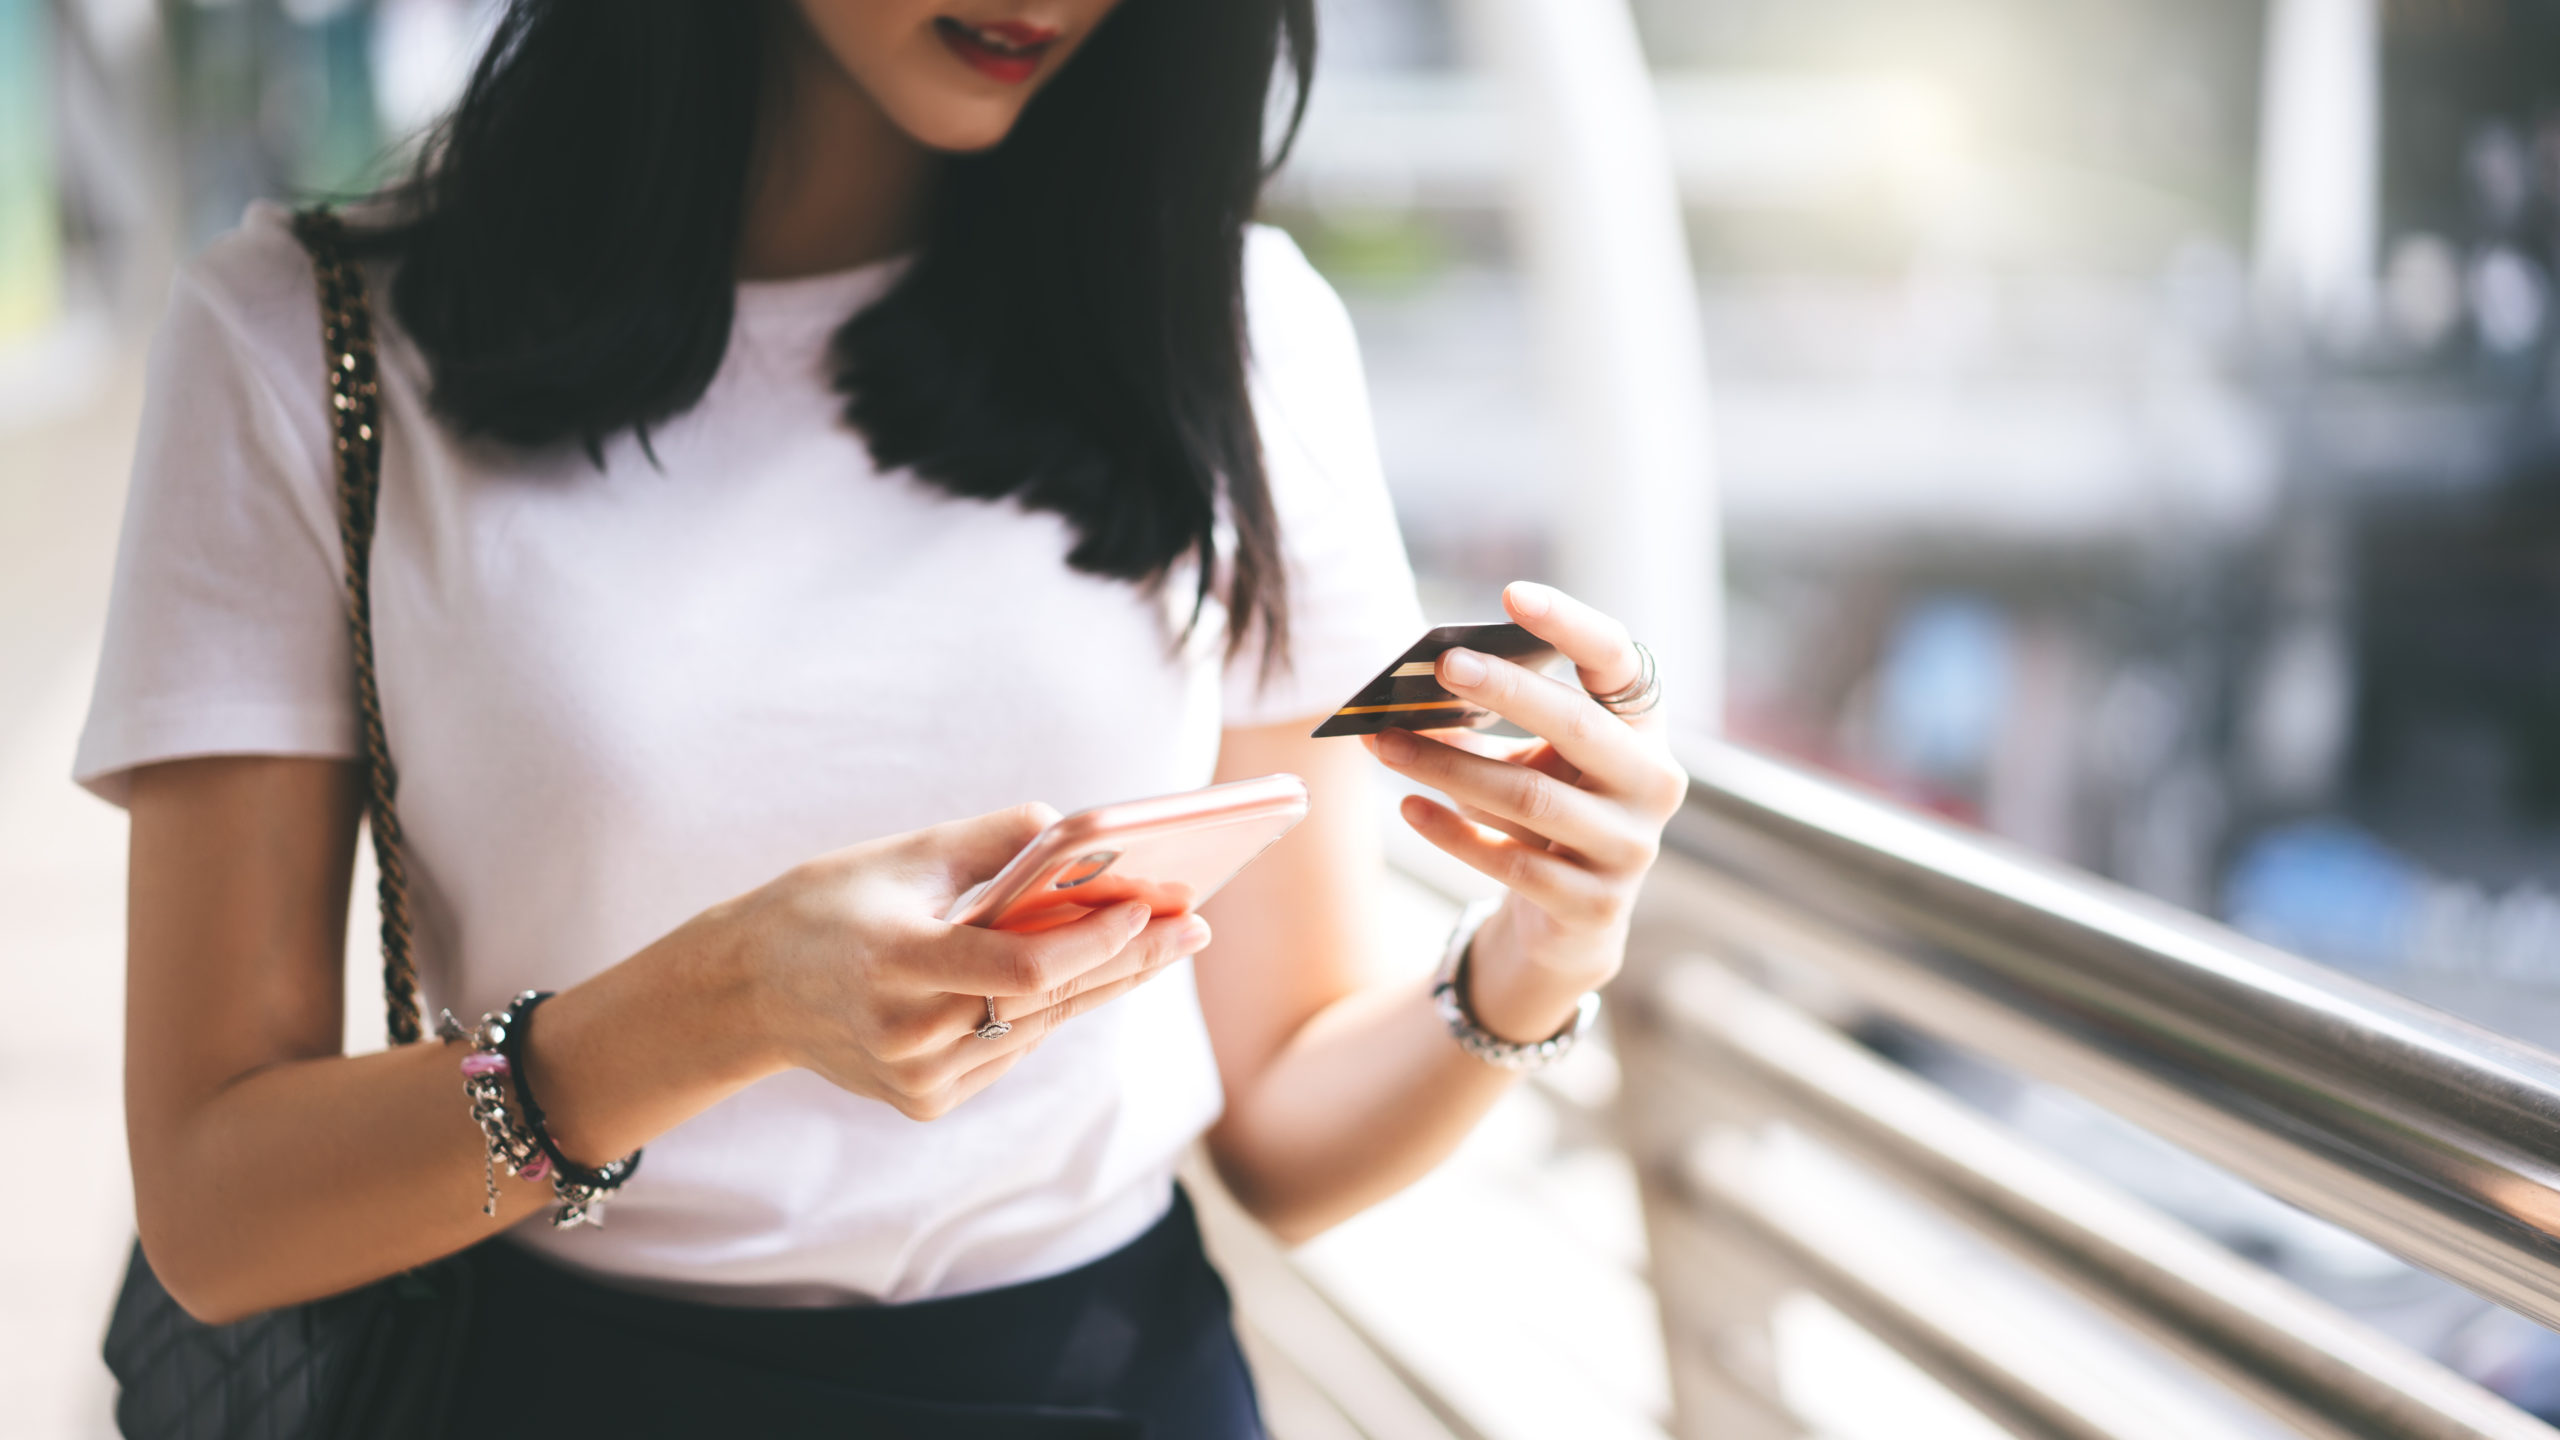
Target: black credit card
[{"x": 1408, "y": 695}]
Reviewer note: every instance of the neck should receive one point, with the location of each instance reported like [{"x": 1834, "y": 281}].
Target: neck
[{"x": 833, "y": 183}]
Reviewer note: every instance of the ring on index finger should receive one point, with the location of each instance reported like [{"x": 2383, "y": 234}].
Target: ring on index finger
[
  {"x": 994, "y": 1029},
  {"x": 1638, "y": 695}
]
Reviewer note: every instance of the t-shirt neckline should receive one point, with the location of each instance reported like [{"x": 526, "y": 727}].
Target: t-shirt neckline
[{"x": 828, "y": 298}]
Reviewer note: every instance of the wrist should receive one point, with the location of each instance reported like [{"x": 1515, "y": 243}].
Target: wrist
[
  {"x": 629, "y": 1054},
  {"x": 737, "y": 1031},
  {"x": 1512, "y": 996}
]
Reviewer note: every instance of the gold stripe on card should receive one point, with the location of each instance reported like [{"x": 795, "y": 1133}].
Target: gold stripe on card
[
  {"x": 1411, "y": 668},
  {"x": 1408, "y": 705}
]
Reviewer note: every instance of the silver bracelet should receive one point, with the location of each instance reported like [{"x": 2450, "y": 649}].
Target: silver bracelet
[
  {"x": 1448, "y": 996},
  {"x": 512, "y": 1136}
]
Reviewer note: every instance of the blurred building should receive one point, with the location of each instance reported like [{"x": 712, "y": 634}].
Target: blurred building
[
  {"x": 2035, "y": 511},
  {"x": 2055, "y": 496}
]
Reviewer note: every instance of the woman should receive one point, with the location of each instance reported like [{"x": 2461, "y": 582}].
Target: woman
[{"x": 805, "y": 424}]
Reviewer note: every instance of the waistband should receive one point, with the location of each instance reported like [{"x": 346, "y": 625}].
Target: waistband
[{"x": 1136, "y": 1343}]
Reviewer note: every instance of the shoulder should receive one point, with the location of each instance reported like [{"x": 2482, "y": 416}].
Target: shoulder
[
  {"x": 1309, "y": 390},
  {"x": 256, "y": 276},
  {"x": 1293, "y": 315},
  {"x": 1351, "y": 595},
  {"x": 235, "y": 401},
  {"x": 250, "y": 293}
]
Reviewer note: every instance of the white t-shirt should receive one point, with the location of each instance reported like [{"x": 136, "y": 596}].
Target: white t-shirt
[{"x": 618, "y": 696}]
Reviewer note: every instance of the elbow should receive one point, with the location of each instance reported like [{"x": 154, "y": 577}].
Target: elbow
[
  {"x": 1292, "y": 1221},
  {"x": 1290, "y": 1213},
  {"x": 1293, "y": 1228},
  {"x": 201, "y": 1295},
  {"x": 202, "y": 1273},
  {"x": 193, "y": 1277}
]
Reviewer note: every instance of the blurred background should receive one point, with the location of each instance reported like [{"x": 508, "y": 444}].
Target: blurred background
[{"x": 2132, "y": 426}]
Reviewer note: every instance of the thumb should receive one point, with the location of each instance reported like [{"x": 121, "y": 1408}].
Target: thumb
[{"x": 971, "y": 850}]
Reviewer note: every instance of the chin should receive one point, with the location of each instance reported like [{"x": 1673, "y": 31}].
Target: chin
[{"x": 958, "y": 127}]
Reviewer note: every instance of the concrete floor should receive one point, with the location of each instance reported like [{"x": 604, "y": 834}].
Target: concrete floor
[{"x": 65, "y": 1212}]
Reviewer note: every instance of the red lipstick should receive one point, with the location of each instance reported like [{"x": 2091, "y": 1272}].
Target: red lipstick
[{"x": 1008, "y": 51}]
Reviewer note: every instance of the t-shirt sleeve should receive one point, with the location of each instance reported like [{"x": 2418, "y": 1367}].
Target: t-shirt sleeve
[
  {"x": 1352, "y": 606},
  {"x": 224, "y": 633}
]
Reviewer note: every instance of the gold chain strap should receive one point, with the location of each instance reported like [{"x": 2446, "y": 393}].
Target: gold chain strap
[{"x": 346, "y": 328}]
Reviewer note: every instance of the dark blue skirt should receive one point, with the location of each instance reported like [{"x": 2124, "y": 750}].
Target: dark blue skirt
[{"x": 1137, "y": 1343}]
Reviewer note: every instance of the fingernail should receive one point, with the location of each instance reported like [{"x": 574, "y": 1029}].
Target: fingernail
[
  {"x": 1193, "y": 937},
  {"x": 1395, "y": 746},
  {"x": 1137, "y": 916},
  {"x": 1531, "y": 598},
  {"x": 1462, "y": 667}
]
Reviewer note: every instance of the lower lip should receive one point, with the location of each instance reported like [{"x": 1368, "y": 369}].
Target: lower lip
[{"x": 1010, "y": 69}]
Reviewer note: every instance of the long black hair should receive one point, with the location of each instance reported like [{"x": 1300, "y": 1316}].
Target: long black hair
[{"x": 1071, "y": 333}]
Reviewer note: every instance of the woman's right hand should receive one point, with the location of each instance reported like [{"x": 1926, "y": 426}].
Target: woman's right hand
[
  {"x": 270, "y": 1169},
  {"x": 859, "y": 979}
]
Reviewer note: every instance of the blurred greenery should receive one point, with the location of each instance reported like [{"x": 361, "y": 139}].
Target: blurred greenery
[
  {"x": 1374, "y": 249},
  {"x": 30, "y": 234},
  {"x": 271, "y": 104}
]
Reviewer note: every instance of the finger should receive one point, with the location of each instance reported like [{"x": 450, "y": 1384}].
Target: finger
[
  {"x": 1538, "y": 755},
  {"x": 1483, "y": 742},
  {"x": 1603, "y": 654},
  {"x": 969, "y": 1082},
  {"x": 1043, "y": 1023},
  {"x": 1571, "y": 894},
  {"x": 1162, "y": 943},
  {"x": 972, "y": 1052},
  {"x": 1560, "y": 814},
  {"x": 1514, "y": 829},
  {"x": 971, "y": 850},
  {"x": 974, "y": 961},
  {"x": 1027, "y": 1034},
  {"x": 1542, "y": 757},
  {"x": 1600, "y": 745},
  {"x": 1533, "y": 752}
]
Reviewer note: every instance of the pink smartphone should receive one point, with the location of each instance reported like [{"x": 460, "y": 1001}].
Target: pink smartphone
[{"x": 1173, "y": 851}]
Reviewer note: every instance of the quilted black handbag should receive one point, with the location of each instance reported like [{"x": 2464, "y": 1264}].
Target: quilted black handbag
[{"x": 376, "y": 1362}]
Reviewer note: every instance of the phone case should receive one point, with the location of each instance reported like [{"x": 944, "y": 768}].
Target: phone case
[{"x": 1172, "y": 851}]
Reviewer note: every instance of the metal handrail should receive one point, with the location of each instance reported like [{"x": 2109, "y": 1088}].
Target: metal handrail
[
  {"x": 2431, "y": 1137},
  {"x": 2293, "y": 1356}
]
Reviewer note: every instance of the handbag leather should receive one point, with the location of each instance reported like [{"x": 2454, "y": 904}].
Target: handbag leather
[{"x": 376, "y": 1362}]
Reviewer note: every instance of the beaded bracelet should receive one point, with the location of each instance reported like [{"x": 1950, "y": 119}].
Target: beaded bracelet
[{"x": 516, "y": 1136}]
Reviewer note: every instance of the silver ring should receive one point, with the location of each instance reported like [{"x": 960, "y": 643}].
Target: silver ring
[
  {"x": 994, "y": 1029},
  {"x": 1641, "y": 694}
]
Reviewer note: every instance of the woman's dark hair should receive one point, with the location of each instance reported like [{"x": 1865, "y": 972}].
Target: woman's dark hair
[{"x": 1071, "y": 333}]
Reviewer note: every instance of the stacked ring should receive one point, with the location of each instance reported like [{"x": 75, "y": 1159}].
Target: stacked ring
[{"x": 1638, "y": 695}]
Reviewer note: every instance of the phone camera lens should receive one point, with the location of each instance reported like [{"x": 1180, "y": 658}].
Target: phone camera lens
[{"x": 1084, "y": 868}]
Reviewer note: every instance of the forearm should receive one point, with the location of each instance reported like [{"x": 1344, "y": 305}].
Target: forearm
[
  {"x": 268, "y": 1169},
  {"x": 310, "y": 1177},
  {"x": 1367, "y": 1097}
]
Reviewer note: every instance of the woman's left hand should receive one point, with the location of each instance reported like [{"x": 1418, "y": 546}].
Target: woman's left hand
[{"x": 1569, "y": 822}]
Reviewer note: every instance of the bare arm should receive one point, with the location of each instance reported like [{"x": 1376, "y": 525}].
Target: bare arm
[
  {"x": 270, "y": 1169},
  {"x": 1343, "y": 1086}
]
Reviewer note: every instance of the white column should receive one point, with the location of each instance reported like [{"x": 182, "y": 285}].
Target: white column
[
  {"x": 2319, "y": 164},
  {"x": 1600, "y": 226}
]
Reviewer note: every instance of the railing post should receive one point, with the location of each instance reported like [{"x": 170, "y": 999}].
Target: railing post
[
  {"x": 2319, "y": 164},
  {"x": 1717, "y": 1287},
  {"x": 1598, "y": 210}
]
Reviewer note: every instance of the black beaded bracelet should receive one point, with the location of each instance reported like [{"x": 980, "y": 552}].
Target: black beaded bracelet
[{"x": 570, "y": 1174}]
